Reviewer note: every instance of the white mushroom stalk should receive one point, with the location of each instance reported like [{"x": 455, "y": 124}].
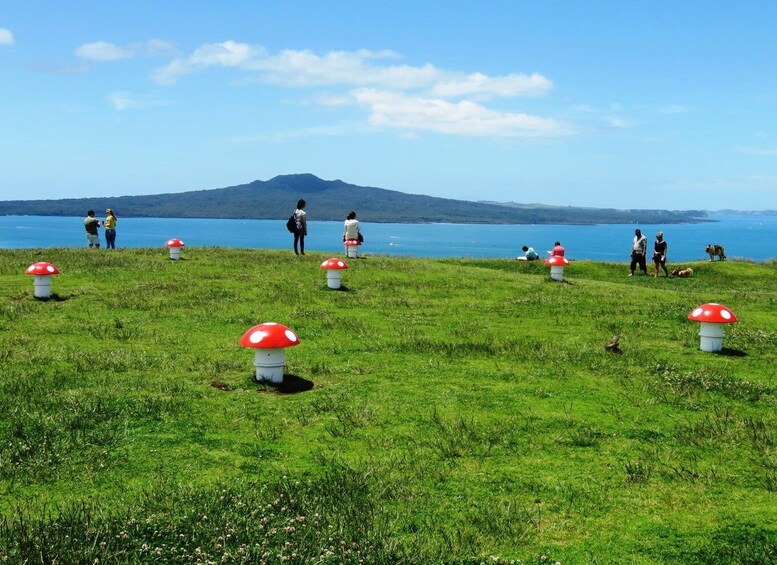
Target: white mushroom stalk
[
  {"x": 174, "y": 245},
  {"x": 333, "y": 267},
  {"x": 351, "y": 248},
  {"x": 557, "y": 264},
  {"x": 712, "y": 317},
  {"x": 269, "y": 340},
  {"x": 42, "y": 273}
]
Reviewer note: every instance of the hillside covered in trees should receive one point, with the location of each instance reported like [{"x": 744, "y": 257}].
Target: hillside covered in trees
[{"x": 330, "y": 200}]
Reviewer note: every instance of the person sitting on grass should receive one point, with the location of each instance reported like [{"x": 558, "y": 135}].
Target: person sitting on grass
[{"x": 529, "y": 254}]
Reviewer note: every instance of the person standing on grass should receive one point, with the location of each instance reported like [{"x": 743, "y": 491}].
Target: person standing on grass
[
  {"x": 302, "y": 227},
  {"x": 638, "y": 251},
  {"x": 659, "y": 254},
  {"x": 91, "y": 224},
  {"x": 110, "y": 229}
]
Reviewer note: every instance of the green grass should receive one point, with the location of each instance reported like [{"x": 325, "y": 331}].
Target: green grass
[{"x": 435, "y": 410}]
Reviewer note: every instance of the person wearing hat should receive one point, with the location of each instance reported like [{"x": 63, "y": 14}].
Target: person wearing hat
[
  {"x": 110, "y": 229},
  {"x": 659, "y": 254}
]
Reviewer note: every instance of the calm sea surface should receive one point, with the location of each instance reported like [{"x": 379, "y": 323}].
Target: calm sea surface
[{"x": 744, "y": 236}]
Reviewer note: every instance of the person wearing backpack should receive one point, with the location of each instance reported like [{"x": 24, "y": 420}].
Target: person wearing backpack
[{"x": 302, "y": 227}]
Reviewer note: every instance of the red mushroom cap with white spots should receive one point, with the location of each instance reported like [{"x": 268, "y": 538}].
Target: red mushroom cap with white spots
[
  {"x": 42, "y": 268},
  {"x": 269, "y": 335},
  {"x": 557, "y": 261},
  {"x": 174, "y": 243},
  {"x": 712, "y": 313},
  {"x": 334, "y": 263},
  {"x": 352, "y": 243}
]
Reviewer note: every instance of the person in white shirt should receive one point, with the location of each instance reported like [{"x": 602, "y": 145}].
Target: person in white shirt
[
  {"x": 351, "y": 228},
  {"x": 638, "y": 250}
]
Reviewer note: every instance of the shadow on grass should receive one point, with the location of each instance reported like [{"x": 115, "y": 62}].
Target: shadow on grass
[
  {"x": 54, "y": 298},
  {"x": 291, "y": 384},
  {"x": 731, "y": 352},
  {"x": 342, "y": 288},
  {"x": 564, "y": 281}
]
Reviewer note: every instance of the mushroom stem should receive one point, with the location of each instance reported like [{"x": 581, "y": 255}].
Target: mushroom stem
[
  {"x": 333, "y": 278},
  {"x": 557, "y": 272},
  {"x": 175, "y": 252},
  {"x": 711, "y": 336},
  {"x": 351, "y": 248},
  {"x": 269, "y": 363},
  {"x": 42, "y": 284}
]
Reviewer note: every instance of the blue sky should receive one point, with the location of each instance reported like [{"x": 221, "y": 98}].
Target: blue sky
[{"x": 608, "y": 104}]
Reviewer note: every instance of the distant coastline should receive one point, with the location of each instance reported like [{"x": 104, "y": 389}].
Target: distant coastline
[{"x": 330, "y": 201}]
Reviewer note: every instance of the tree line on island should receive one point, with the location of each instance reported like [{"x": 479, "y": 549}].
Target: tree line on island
[{"x": 330, "y": 200}]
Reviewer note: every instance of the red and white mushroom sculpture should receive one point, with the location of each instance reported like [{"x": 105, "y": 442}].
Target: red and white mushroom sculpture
[
  {"x": 351, "y": 248},
  {"x": 175, "y": 247},
  {"x": 333, "y": 267},
  {"x": 557, "y": 264},
  {"x": 268, "y": 340},
  {"x": 42, "y": 272},
  {"x": 712, "y": 317}
]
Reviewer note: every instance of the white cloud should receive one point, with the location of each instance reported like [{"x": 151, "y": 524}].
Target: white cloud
[
  {"x": 102, "y": 51},
  {"x": 411, "y": 98},
  {"x": 509, "y": 86},
  {"x": 6, "y": 37},
  {"x": 123, "y": 100},
  {"x": 226, "y": 54},
  {"x": 350, "y": 68},
  {"x": 391, "y": 109},
  {"x": 301, "y": 68},
  {"x": 155, "y": 48}
]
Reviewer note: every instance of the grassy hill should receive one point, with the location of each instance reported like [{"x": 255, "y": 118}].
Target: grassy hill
[
  {"x": 331, "y": 200},
  {"x": 456, "y": 410}
]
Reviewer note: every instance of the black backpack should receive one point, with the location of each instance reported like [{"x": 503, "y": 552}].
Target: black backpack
[{"x": 291, "y": 224}]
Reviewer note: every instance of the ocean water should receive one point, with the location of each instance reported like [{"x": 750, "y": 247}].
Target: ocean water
[{"x": 744, "y": 236}]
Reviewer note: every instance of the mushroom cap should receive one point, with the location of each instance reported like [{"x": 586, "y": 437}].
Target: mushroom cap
[
  {"x": 712, "y": 313},
  {"x": 334, "y": 263},
  {"x": 352, "y": 242},
  {"x": 41, "y": 268},
  {"x": 557, "y": 261},
  {"x": 174, "y": 243},
  {"x": 269, "y": 335}
]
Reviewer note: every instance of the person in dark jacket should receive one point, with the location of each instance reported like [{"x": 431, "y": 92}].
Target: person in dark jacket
[
  {"x": 659, "y": 254},
  {"x": 302, "y": 227}
]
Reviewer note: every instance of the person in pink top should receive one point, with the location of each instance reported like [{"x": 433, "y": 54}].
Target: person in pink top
[{"x": 558, "y": 251}]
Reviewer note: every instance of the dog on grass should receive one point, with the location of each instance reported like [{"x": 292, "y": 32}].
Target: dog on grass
[
  {"x": 715, "y": 251},
  {"x": 682, "y": 273}
]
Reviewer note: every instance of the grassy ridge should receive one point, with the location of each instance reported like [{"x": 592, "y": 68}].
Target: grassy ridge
[{"x": 435, "y": 409}]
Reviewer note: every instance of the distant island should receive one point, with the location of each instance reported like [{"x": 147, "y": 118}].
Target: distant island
[{"x": 276, "y": 198}]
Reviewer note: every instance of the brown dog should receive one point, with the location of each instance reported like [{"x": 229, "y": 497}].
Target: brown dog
[
  {"x": 682, "y": 273},
  {"x": 715, "y": 251}
]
